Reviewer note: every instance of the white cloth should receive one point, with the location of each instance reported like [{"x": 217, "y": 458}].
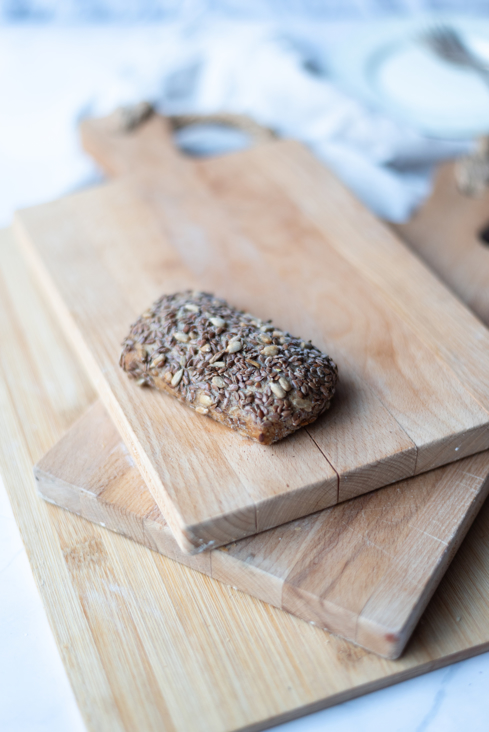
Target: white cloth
[
  {"x": 216, "y": 66},
  {"x": 256, "y": 71},
  {"x": 386, "y": 165}
]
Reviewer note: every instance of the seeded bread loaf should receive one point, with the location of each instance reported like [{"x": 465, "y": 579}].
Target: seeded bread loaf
[{"x": 229, "y": 365}]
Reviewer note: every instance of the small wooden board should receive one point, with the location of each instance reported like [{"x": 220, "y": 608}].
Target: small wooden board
[
  {"x": 274, "y": 232},
  {"x": 447, "y": 233},
  {"x": 364, "y": 570},
  {"x": 148, "y": 643}
]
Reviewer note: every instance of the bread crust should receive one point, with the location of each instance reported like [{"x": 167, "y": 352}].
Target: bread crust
[{"x": 229, "y": 365}]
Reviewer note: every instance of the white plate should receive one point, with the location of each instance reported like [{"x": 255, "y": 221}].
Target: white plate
[{"x": 385, "y": 64}]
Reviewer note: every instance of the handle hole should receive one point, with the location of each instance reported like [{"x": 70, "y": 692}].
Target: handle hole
[
  {"x": 483, "y": 235},
  {"x": 203, "y": 140}
]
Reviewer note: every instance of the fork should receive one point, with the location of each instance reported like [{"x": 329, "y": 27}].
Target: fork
[{"x": 447, "y": 44}]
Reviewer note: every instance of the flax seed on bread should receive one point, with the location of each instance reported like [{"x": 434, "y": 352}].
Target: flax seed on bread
[{"x": 229, "y": 365}]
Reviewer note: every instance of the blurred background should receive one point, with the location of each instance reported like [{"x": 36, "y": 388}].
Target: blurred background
[{"x": 354, "y": 80}]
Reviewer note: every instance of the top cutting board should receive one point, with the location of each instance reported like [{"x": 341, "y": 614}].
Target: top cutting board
[{"x": 274, "y": 232}]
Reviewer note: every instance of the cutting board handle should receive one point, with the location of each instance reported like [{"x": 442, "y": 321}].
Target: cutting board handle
[
  {"x": 131, "y": 137},
  {"x": 258, "y": 133}
]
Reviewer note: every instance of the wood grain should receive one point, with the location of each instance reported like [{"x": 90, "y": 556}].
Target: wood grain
[
  {"x": 148, "y": 643},
  {"x": 237, "y": 479},
  {"x": 321, "y": 222},
  {"x": 364, "y": 570},
  {"x": 237, "y": 229},
  {"x": 445, "y": 231},
  {"x": 450, "y": 330},
  {"x": 408, "y": 366}
]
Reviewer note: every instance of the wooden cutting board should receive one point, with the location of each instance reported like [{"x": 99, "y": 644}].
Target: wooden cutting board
[
  {"x": 149, "y": 644},
  {"x": 275, "y": 233},
  {"x": 364, "y": 570},
  {"x": 448, "y": 233}
]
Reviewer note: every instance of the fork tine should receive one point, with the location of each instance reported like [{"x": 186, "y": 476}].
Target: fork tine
[{"x": 447, "y": 44}]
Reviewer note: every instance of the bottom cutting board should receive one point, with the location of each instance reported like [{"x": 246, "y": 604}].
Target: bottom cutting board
[
  {"x": 364, "y": 570},
  {"x": 147, "y": 643}
]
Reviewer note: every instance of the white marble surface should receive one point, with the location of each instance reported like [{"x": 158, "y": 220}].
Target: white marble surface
[{"x": 35, "y": 695}]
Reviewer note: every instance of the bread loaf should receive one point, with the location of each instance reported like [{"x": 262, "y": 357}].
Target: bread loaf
[{"x": 229, "y": 365}]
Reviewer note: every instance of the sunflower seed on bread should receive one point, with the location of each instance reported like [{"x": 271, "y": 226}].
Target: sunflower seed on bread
[{"x": 229, "y": 365}]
